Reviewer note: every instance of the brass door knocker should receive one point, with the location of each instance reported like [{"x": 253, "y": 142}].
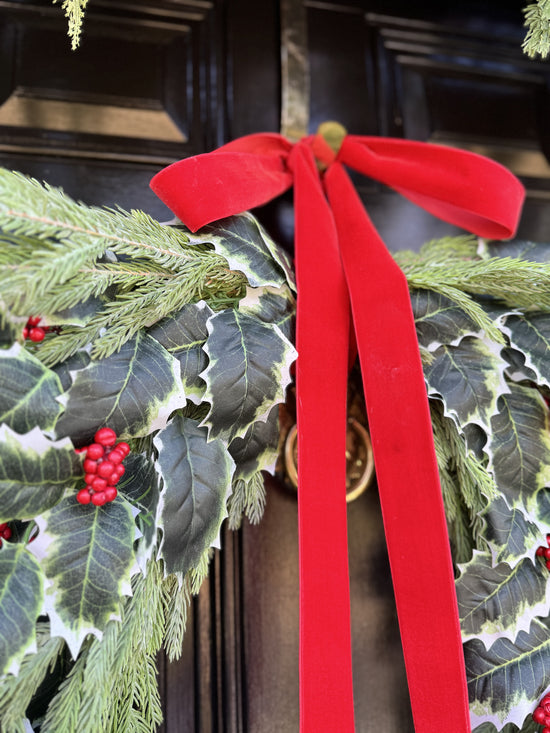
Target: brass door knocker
[{"x": 360, "y": 461}]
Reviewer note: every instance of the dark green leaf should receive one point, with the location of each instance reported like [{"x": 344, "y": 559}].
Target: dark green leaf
[
  {"x": 500, "y": 601},
  {"x": 34, "y": 473},
  {"x": 522, "y": 249},
  {"x": 88, "y": 556},
  {"x": 28, "y": 391},
  {"x": 140, "y": 486},
  {"x": 248, "y": 247},
  {"x": 248, "y": 372},
  {"x": 258, "y": 449},
  {"x": 469, "y": 378},
  {"x": 21, "y": 596},
  {"x": 183, "y": 336},
  {"x": 439, "y": 320},
  {"x": 510, "y": 533},
  {"x": 530, "y": 334},
  {"x": 519, "y": 447},
  {"x": 196, "y": 474},
  {"x": 133, "y": 391},
  {"x": 272, "y": 305},
  {"x": 506, "y": 681}
]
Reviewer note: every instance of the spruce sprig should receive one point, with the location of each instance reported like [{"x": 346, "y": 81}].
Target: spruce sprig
[{"x": 537, "y": 20}]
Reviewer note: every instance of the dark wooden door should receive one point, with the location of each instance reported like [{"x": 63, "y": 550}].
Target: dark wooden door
[{"x": 157, "y": 80}]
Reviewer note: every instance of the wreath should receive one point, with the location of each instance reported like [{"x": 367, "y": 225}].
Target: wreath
[{"x": 125, "y": 342}]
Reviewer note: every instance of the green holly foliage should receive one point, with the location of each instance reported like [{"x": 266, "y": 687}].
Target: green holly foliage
[
  {"x": 483, "y": 324},
  {"x": 145, "y": 328}
]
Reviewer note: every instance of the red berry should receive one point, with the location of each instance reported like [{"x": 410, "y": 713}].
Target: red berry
[
  {"x": 110, "y": 493},
  {"x": 116, "y": 456},
  {"x": 124, "y": 447},
  {"x": 547, "y": 553},
  {"x": 3, "y": 526},
  {"x": 99, "y": 498},
  {"x": 99, "y": 484},
  {"x": 105, "y": 469},
  {"x": 540, "y": 551},
  {"x": 83, "y": 496},
  {"x": 6, "y": 533},
  {"x": 119, "y": 470},
  {"x": 95, "y": 451},
  {"x": 80, "y": 450},
  {"x": 539, "y": 716},
  {"x": 89, "y": 478},
  {"x": 548, "y": 564},
  {"x": 546, "y": 729},
  {"x": 546, "y": 707},
  {"x": 37, "y": 334},
  {"x": 25, "y": 333},
  {"x": 33, "y": 321},
  {"x": 105, "y": 437},
  {"x": 90, "y": 466}
]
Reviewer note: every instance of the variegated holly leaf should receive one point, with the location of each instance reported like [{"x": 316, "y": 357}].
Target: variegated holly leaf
[
  {"x": 21, "y": 596},
  {"x": 529, "y": 726},
  {"x": 506, "y": 681},
  {"x": 34, "y": 472},
  {"x": 522, "y": 249},
  {"x": 516, "y": 369},
  {"x": 132, "y": 391},
  {"x": 183, "y": 335},
  {"x": 66, "y": 370},
  {"x": 28, "y": 391},
  {"x": 530, "y": 334},
  {"x": 196, "y": 480},
  {"x": 271, "y": 305},
  {"x": 500, "y": 601},
  {"x": 248, "y": 372},
  {"x": 247, "y": 247},
  {"x": 511, "y": 534},
  {"x": 258, "y": 449},
  {"x": 439, "y": 320},
  {"x": 469, "y": 378},
  {"x": 519, "y": 447},
  {"x": 140, "y": 486},
  {"x": 87, "y": 555}
]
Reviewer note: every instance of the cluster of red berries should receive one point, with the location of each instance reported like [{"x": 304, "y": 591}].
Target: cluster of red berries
[
  {"x": 545, "y": 553},
  {"x": 5, "y": 532},
  {"x": 542, "y": 713},
  {"x": 103, "y": 468},
  {"x": 34, "y": 332}
]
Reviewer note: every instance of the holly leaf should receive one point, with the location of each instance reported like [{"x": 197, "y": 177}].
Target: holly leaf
[
  {"x": 140, "y": 486},
  {"x": 258, "y": 449},
  {"x": 271, "y": 305},
  {"x": 439, "y": 320},
  {"x": 511, "y": 534},
  {"x": 34, "y": 473},
  {"x": 28, "y": 391},
  {"x": 500, "y": 601},
  {"x": 87, "y": 555},
  {"x": 530, "y": 334},
  {"x": 506, "y": 680},
  {"x": 21, "y": 596},
  {"x": 519, "y": 447},
  {"x": 132, "y": 391},
  {"x": 519, "y": 248},
  {"x": 247, "y": 247},
  {"x": 469, "y": 378},
  {"x": 183, "y": 335},
  {"x": 248, "y": 372},
  {"x": 196, "y": 475}
]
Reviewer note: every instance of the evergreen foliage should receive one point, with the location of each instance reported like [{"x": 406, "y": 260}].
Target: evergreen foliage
[{"x": 537, "y": 20}]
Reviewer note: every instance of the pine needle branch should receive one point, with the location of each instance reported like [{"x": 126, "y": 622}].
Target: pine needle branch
[
  {"x": 537, "y": 20},
  {"x": 74, "y": 11}
]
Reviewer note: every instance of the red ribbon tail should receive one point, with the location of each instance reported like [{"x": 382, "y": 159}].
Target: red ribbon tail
[
  {"x": 326, "y": 685},
  {"x": 406, "y": 466}
]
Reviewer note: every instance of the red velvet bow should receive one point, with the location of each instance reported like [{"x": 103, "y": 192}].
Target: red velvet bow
[{"x": 346, "y": 275}]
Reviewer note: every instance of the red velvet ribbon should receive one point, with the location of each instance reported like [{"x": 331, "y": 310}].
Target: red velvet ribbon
[{"x": 345, "y": 275}]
